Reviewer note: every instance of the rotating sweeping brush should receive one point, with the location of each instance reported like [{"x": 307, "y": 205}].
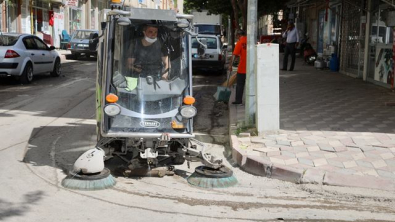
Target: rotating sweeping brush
[
  {"x": 207, "y": 177},
  {"x": 89, "y": 172},
  {"x": 100, "y": 181}
]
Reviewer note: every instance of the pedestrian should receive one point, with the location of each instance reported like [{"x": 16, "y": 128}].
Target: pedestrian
[
  {"x": 240, "y": 51},
  {"x": 292, "y": 42}
]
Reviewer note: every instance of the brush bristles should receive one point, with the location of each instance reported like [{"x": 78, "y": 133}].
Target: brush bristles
[
  {"x": 206, "y": 182},
  {"x": 78, "y": 184}
]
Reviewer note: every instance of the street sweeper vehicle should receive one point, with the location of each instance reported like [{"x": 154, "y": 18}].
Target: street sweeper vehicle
[{"x": 144, "y": 102}]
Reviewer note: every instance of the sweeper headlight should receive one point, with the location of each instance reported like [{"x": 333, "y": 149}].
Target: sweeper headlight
[
  {"x": 112, "y": 110},
  {"x": 188, "y": 111}
]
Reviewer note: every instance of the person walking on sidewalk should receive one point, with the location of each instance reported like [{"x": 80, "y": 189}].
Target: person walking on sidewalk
[
  {"x": 240, "y": 51},
  {"x": 292, "y": 42}
]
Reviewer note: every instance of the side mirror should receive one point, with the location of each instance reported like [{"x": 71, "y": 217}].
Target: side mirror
[
  {"x": 52, "y": 47},
  {"x": 103, "y": 25}
]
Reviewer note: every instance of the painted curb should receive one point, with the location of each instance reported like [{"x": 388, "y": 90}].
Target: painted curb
[
  {"x": 260, "y": 166},
  {"x": 337, "y": 179}
]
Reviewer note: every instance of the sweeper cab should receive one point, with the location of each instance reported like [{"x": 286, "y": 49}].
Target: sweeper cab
[{"x": 144, "y": 98}]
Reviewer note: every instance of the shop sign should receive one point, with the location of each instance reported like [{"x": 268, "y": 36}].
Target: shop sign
[{"x": 73, "y": 3}]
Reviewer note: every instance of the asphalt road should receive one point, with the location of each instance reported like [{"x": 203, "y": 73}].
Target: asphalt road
[{"x": 45, "y": 126}]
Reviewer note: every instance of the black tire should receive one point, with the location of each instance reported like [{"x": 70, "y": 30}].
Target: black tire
[
  {"x": 87, "y": 55},
  {"x": 57, "y": 68},
  {"x": 27, "y": 75}
]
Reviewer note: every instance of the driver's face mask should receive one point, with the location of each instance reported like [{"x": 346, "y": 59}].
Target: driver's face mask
[{"x": 149, "y": 39}]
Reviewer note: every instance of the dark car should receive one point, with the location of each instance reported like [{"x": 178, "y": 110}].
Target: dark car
[{"x": 84, "y": 41}]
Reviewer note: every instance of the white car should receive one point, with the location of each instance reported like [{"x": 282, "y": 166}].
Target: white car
[{"x": 24, "y": 55}]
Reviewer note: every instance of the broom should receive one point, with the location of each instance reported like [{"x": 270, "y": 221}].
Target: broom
[
  {"x": 89, "y": 172},
  {"x": 207, "y": 177}
]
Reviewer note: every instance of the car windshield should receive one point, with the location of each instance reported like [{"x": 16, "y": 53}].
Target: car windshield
[
  {"x": 211, "y": 42},
  {"x": 209, "y": 29},
  {"x": 149, "y": 78},
  {"x": 80, "y": 34},
  {"x": 8, "y": 40}
]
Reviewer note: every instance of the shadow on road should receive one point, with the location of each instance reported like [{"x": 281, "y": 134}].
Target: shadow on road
[
  {"x": 10, "y": 209},
  {"x": 59, "y": 146}
]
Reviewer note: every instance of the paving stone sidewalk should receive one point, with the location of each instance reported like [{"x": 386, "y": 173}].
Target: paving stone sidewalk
[{"x": 335, "y": 130}]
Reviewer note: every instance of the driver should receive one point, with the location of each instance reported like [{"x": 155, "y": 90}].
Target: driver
[{"x": 149, "y": 57}]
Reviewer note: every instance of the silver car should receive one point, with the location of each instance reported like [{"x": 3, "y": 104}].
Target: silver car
[
  {"x": 84, "y": 41},
  {"x": 24, "y": 55}
]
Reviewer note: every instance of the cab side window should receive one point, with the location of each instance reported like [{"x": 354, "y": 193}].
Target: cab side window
[
  {"x": 29, "y": 43},
  {"x": 40, "y": 44}
]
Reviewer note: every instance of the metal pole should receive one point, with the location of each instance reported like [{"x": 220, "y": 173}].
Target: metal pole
[
  {"x": 367, "y": 42},
  {"x": 250, "y": 89}
]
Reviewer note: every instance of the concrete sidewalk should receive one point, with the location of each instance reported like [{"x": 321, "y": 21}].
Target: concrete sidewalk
[{"x": 335, "y": 130}]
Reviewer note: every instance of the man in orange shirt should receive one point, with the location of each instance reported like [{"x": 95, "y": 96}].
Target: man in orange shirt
[{"x": 240, "y": 51}]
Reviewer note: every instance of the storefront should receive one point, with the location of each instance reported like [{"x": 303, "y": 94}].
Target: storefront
[
  {"x": 381, "y": 43},
  {"x": 1, "y": 15},
  {"x": 328, "y": 29},
  {"x": 75, "y": 15},
  {"x": 352, "y": 45},
  {"x": 40, "y": 17},
  {"x": 10, "y": 14},
  {"x": 96, "y": 8}
]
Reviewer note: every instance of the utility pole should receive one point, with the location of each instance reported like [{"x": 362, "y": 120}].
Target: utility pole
[{"x": 250, "y": 89}]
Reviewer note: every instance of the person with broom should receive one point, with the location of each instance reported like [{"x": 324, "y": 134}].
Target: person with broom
[{"x": 240, "y": 51}]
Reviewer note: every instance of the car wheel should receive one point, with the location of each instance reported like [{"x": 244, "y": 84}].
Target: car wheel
[
  {"x": 27, "y": 75},
  {"x": 87, "y": 55},
  {"x": 56, "y": 69}
]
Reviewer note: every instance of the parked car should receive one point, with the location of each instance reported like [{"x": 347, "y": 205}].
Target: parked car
[
  {"x": 24, "y": 55},
  {"x": 213, "y": 57},
  {"x": 80, "y": 41}
]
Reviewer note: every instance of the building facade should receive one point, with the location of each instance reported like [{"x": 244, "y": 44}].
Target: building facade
[
  {"x": 359, "y": 32},
  {"x": 48, "y": 18}
]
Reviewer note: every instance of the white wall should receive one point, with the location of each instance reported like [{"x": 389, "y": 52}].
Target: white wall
[{"x": 267, "y": 88}]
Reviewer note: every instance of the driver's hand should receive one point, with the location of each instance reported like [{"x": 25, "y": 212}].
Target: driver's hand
[
  {"x": 165, "y": 76},
  {"x": 137, "y": 68}
]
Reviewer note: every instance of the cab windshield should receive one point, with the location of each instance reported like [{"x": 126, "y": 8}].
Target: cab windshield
[{"x": 150, "y": 76}]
